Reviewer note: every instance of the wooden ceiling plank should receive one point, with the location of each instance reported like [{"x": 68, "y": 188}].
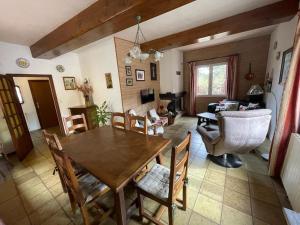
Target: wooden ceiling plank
[
  {"x": 261, "y": 17},
  {"x": 101, "y": 19}
]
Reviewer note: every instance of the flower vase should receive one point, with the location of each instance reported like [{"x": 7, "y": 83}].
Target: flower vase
[{"x": 88, "y": 100}]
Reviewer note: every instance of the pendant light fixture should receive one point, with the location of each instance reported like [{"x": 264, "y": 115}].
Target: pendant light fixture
[{"x": 135, "y": 52}]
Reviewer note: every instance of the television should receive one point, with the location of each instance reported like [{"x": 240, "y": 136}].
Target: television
[{"x": 147, "y": 95}]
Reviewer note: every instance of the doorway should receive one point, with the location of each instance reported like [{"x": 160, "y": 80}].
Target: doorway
[{"x": 44, "y": 103}]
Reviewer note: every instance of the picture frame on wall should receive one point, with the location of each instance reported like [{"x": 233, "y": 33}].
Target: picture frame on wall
[
  {"x": 69, "y": 83},
  {"x": 140, "y": 75},
  {"x": 129, "y": 82},
  {"x": 285, "y": 65},
  {"x": 108, "y": 79},
  {"x": 128, "y": 70},
  {"x": 153, "y": 70}
]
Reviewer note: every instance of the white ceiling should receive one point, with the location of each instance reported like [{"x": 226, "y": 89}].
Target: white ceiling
[
  {"x": 194, "y": 14},
  {"x": 27, "y": 21},
  {"x": 235, "y": 37}
]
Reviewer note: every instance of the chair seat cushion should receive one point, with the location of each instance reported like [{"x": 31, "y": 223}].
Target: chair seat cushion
[
  {"x": 156, "y": 181},
  {"x": 90, "y": 186},
  {"x": 210, "y": 134}
]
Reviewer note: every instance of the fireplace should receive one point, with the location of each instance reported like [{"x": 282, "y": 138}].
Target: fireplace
[{"x": 176, "y": 104}]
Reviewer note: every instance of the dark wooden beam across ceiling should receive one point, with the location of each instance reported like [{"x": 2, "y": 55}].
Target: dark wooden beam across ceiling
[
  {"x": 101, "y": 19},
  {"x": 261, "y": 17}
]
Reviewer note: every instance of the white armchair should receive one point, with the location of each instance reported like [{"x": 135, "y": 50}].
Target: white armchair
[
  {"x": 152, "y": 128},
  {"x": 239, "y": 132}
]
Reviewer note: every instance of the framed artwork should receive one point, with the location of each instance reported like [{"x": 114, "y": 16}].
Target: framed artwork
[
  {"x": 140, "y": 75},
  {"x": 129, "y": 82},
  {"x": 109, "y": 83},
  {"x": 128, "y": 70},
  {"x": 69, "y": 83},
  {"x": 153, "y": 70},
  {"x": 285, "y": 65}
]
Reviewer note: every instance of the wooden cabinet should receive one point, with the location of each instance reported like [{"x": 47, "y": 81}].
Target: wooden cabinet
[{"x": 89, "y": 112}]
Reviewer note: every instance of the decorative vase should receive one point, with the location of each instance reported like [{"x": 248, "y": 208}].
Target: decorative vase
[{"x": 88, "y": 100}]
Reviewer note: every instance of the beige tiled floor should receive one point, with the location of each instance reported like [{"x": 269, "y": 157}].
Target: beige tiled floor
[{"x": 31, "y": 194}]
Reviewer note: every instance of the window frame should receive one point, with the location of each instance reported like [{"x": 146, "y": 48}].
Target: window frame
[
  {"x": 21, "y": 101},
  {"x": 210, "y": 79}
]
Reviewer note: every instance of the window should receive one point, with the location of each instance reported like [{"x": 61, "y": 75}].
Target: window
[
  {"x": 19, "y": 94},
  {"x": 211, "y": 79}
]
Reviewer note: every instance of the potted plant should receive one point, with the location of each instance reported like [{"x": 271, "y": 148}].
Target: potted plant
[{"x": 102, "y": 115}]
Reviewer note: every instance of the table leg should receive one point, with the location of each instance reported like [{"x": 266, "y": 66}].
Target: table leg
[
  {"x": 159, "y": 159},
  {"x": 199, "y": 121},
  {"x": 120, "y": 207}
]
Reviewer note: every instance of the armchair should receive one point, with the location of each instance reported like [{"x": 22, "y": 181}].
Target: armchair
[
  {"x": 239, "y": 132},
  {"x": 155, "y": 118}
]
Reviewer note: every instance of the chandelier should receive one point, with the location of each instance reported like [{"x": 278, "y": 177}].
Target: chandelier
[{"x": 136, "y": 53}]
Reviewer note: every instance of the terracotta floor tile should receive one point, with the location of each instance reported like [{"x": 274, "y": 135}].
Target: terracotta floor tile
[
  {"x": 37, "y": 201},
  {"x": 7, "y": 190},
  {"x": 215, "y": 177},
  {"x": 197, "y": 219},
  {"x": 232, "y": 216},
  {"x": 237, "y": 185},
  {"x": 12, "y": 211},
  {"x": 266, "y": 212},
  {"x": 238, "y": 201},
  {"x": 212, "y": 190},
  {"x": 265, "y": 194},
  {"x": 263, "y": 180},
  {"x": 59, "y": 218},
  {"x": 217, "y": 168},
  {"x": 240, "y": 173},
  {"x": 259, "y": 222},
  {"x": 194, "y": 183},
  {"x": 44, "y": 213},
  {"x": 181, "y": 217},
  {"x": 208, "y": 208}
]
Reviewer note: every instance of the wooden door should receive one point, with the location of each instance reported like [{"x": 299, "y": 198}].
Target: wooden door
[
  {"x": 44, "y": 103},
  {"x": 14, "y": 117}
]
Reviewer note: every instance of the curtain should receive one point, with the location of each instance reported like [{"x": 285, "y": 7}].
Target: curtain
[
  {"x": 192, "y": 88},
  {"x": 289, "y": 115},
  {"x": 232, "y": 77}
]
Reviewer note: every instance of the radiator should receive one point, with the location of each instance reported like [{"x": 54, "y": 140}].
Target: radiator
[{"x": 290, "y": 173}]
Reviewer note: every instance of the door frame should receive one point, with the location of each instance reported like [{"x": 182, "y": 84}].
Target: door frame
[{"x": 53, "y": 92}]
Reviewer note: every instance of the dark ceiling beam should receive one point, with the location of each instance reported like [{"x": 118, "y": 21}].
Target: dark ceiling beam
[
  {"x": 261, "y": 17},
  {"x": 101, "y": 19}
]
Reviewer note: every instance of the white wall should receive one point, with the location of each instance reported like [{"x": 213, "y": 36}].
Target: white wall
[
  {"x": 284, "y": 35},
  {"x": 28, "y": 105},
  {"x": 169, "y": 64},
  {"x": 97, "y": 59},
  {"x": 10, "y": 52}
]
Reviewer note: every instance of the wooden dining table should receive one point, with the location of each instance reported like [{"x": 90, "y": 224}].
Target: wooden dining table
[{"x": 115, "y": 157}]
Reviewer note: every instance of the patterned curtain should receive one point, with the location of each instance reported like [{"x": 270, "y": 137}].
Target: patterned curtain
[
  {"x": 289, "y": 116},
  {"x": 232, "y": 77},
  {"x": 193, "y": 89}
]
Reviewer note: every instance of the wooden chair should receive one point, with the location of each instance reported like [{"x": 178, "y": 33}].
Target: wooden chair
[
  {"x": 163, "y": 184},
  {"x": 79, "y": 171},
  {"x": 133, "y": 125},
  {"x": 116, "y": 123},
  {"x": 82, "y": 191},
  {"x": 75, "y": 125}
]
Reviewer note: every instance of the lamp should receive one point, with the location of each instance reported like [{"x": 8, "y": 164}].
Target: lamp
[
  {"x": 136, "y": 53},
  {"x": 255, "y": 90}
]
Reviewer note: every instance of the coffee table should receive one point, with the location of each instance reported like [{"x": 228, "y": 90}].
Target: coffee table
[{"x": 206, "y": 117}]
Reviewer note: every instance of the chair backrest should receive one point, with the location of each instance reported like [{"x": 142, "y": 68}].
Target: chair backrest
[
  {"x": 142, "y": 121},
  {"x": 243, "y": 130},
  {"x": 75, "y": 124},
  {"x": 64, "y": 165},
  {"x": 179, "y": 167},
  {"x": 115, "y": 122}
]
